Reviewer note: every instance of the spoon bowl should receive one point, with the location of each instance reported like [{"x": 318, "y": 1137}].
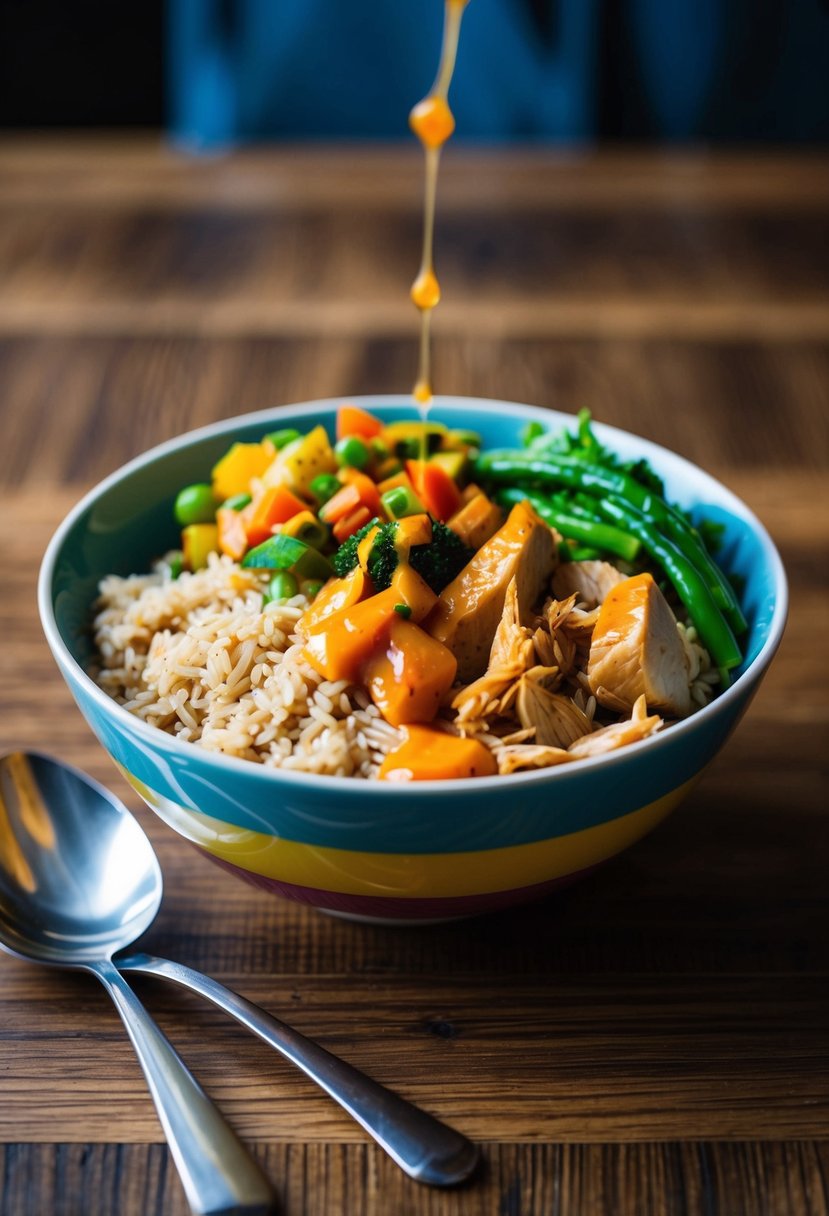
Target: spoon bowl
[
  {"x": 79, "y": 881},
  {"x": 73, "y": 889}
]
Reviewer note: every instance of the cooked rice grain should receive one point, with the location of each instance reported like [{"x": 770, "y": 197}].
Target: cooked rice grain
[{"x": 202, "y": 658}]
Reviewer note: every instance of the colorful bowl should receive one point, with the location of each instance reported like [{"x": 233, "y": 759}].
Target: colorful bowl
[{"x": 420, "y": 852}]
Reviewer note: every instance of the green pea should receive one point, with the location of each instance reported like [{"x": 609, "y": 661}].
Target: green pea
[
  {"x": 195, "y": 505},
  {"x": 175, "y": 563},
  {"x": 351, "y": 453},
  {"x": 403, "y": 610},
  {"x": 311, "y": 588},
  {"x": 238, "y": 502},
  {"x": 283, "y": 586},
  {"x": 324, "y": 486},
  {"x": 281, "y": 439}
]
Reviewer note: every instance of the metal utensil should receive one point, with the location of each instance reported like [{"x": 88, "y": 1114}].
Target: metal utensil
[{"x": 79, "y": 881}]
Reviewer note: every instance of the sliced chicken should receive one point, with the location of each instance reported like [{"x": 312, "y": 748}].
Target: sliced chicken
[
  {"x": 590, "y": 582},
  {"x": 467, "y": 613},
  {"x": 557, "y": 720},
  {"x": 636, "y": 651}
]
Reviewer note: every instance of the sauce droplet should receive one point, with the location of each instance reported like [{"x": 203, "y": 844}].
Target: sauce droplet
[{"x": 433, "y": 122}]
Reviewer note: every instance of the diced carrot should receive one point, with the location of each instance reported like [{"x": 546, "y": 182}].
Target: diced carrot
[
  {"x": 367, "y": 489},
  {"x": 352, "y": 523},
  {"x": 343, "y": 503},
  {"x": 338, "y": 645},
  {"x": 275, "y": 506},
  {"x": 233, "y": 539},
  {"x": 435, "y": 488},
  {"x": 351, "y": 420}
]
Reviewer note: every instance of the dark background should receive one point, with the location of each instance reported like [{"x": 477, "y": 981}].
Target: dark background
[{"x": 96, "y": 64}]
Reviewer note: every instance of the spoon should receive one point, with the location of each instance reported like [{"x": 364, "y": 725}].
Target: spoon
[{"x": 79, "y": 881}]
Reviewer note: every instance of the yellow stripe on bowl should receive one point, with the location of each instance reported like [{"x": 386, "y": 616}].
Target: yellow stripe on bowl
[{"x": 412, "y": 875}]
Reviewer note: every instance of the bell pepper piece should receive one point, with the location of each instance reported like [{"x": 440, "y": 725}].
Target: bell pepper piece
[
  {"x": 435, "y": 488},
  {"x": 343, "y": 503},
  {"x": 275, "y": 506},
  {"x": 366, "y": 488},
  {"x": 351, "y": 420},
  {"x": 234, "y": 472},
  {"x": 198, "y": 541}
]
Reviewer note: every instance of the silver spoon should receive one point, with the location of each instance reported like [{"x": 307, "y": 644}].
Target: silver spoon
[{"x": 79, "y": 881}]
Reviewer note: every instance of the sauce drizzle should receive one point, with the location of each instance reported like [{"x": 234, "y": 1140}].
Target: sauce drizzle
[{"x": 433, "y": 122}]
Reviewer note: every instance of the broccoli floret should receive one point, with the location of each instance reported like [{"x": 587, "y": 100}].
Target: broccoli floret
[
  {"x": 442, "y": 560},
  {"x": 437, "y": 563},
  {"x": 345, "y": 559}
]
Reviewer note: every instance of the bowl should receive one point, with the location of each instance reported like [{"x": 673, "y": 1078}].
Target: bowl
[{"x": 424, "y": 851}]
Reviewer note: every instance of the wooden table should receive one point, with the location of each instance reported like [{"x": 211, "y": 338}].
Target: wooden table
[{"x": 653, "y": 1041}]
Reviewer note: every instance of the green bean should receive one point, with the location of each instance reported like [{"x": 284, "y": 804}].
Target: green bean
[
  {"x": 689, "y": 583},
  {"x": 575, "y": 523},
  {"x": 576, "y": 474}
]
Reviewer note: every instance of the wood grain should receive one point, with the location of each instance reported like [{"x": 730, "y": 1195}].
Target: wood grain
[{"x": 653, "y": 1040}]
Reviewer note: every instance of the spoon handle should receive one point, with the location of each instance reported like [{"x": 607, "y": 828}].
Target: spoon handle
[
  {"x": 216, "y": 1170},
  {"x": 425, "y": 1148}
]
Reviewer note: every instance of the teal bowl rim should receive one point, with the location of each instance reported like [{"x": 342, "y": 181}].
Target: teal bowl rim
[{"x": 663, "y": 459}]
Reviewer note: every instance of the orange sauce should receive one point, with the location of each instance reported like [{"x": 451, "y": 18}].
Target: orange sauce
[{"x": 432, "y": 122}]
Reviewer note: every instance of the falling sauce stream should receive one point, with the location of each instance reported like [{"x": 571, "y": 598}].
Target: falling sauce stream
[{"x": 432, "y": 121}]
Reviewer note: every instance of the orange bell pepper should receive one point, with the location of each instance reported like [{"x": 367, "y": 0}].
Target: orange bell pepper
[
  {"x": 275, "y": 506},
  {"x": 435, "y": 488},
  {"x": 337, "y": 594},
  {"x": 351, "y": 420}
]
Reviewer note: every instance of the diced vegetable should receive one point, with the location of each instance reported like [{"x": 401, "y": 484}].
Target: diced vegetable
[
  {"x": 352, "y": 523},
  {"x": 324, "y": 487},
  {"x": 462, "y": 439},
  {"x": 401, "y": 501},
  {"x": 281, "y": 439},
  {"x": 195, "y": 505},
  {"x": 351, "y": 452},
  {"x": 351, "y": 420},
  {"x": 409, "y": 678},
  {"x": 432, "y": 755},
  {"x": 367, "y": 489},
  {"x": 198, "y": 541},
  {"x": 454, "y": 464},
  {"x": 232, "y": 536},
  {"x": 281, "y": 552},
  {"x": 238, "y": 502},
  {"x": 307, "y": 527},
  {"x": 337, "y": 594},
  {"x": 275, "y": 506},
  {"x": 412, "y": 436},
  {"x": 339, "y": 505},
  {"x": 283, "y": 586},
  {"x": 311, "y": 588},
  {"x": 300, "y": 461},
  {"x": 234, "y": 472},
  {"x": 435, "y": 488}
]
